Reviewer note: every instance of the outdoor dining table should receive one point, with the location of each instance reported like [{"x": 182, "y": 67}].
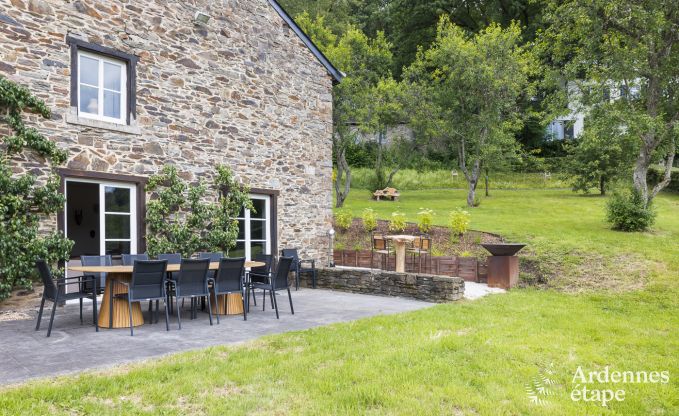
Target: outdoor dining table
[
  {"x": 400, "y": 242},
  {"x": 232, "y": 303}
]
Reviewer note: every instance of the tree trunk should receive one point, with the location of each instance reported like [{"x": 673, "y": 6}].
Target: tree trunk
[
  {"x": 487, "y": 183},
  {"x": 342, "y": 167},
  {"x": 391, "y": 176},
  {"x": 602, "y": 185},
  {"x": 473, "y": 180},
  {"x": 379, "y": 174}
]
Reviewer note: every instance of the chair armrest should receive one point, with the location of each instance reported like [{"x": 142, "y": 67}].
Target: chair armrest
[{"x": 63, "y": 281}]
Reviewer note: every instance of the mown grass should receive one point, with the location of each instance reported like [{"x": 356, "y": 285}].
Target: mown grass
[
  {"x": 460, "y": 358},
  {"x": 556, "y": 222},
  {"x": 410, "y": 179}
]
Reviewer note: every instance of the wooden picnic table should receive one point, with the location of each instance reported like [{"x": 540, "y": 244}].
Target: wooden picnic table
[
  {"x": 400, "y": 242},
  {"x": 233, "y": 303}
]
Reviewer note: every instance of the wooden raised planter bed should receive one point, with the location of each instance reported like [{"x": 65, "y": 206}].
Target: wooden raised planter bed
[{"x": 468, "y": 268}]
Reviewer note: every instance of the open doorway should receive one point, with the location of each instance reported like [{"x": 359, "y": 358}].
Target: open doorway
[
  {"x": 82, "y": 218},
  {"x": 101, "y": 217}
]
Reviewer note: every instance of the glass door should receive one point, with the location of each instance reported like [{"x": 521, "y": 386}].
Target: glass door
[
  {"x": 254, "y": 229},
  {"x": 118, "y": 218}
]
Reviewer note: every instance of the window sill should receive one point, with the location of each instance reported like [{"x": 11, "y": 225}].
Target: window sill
[{"x": 104, "y": 125}]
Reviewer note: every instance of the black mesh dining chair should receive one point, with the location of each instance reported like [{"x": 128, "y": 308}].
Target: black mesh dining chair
[
  {"x": 229, "y": 279},
  {"x": 148, "y": 283},
  {"x": 279, "y": 281},
  {"x": 192, "y": 282},
  {"x": 128, "y": 259},
  {"x": 260, "y": 274},
  {"x": 172, "y": 258},
  {"x": 52, "y": 288},
  {"x": 298, "y": 266},
  {"x": 101, "y": 277}
]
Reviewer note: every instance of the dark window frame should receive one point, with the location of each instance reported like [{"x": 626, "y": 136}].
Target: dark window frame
[{"x": 129, "y": 59}]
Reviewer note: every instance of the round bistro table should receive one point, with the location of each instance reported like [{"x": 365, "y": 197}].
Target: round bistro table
[
  {"x": 229, "y": 304},
  {"x": 400, "y": 242}
]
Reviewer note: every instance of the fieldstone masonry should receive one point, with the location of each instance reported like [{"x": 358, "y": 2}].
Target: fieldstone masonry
[
  {"x": 241, "y": 90},
  {"x": 425, "y": 287}
]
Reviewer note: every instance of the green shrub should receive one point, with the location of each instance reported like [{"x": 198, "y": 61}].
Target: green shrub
[
  {"x": 477, "y": 201},
  {"x": 369, "y": 220},
  {"x": 627, "y": 212},
  {"x": 459, "y": 222},
  {"x": 398, "y": 222},
  {"x": 343, "y": 219},
  {"x": 425, "y": 220}
]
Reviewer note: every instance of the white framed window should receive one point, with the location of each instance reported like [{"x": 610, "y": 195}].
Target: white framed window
[
  {"x": 254, "y": 229},
  {"x": 102, "y": 88}
]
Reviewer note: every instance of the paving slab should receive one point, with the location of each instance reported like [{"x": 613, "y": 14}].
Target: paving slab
[{"x": 26, "y": 353}]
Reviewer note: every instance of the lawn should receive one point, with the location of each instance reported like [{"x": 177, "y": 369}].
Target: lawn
[{"x": 463, "y": 358}]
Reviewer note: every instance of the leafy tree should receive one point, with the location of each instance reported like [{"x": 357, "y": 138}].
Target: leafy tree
[
  {"x": 411, "y": 24},
  {"x": 365, "y": 62},
  {"x": 24, "y": 198},
  {"x": 602, "y": 154},
  {"x": 472, "y": 84},
  {"x": 630, "y": 46}
]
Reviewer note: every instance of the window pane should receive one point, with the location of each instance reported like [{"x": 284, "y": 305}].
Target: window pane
[
  {"x": 117, "y": 226},
  {"x": 241, "y": 229},
  {"x": 257, "y": 230},
  {"x": 89, "y": 99},
  {"x": 257, "y": 248},
  {"x": 241, "y": 214},
  {"x": 111, "y": 104},
  {"x": 89, "y": 70},
  {"x": 260, "y": 208},
  {"x": 112, "y": 76},
  {"x": 116, "y": 248},
  {"x": 116, "y": 199},
  {"x": 238, "y": 251}
]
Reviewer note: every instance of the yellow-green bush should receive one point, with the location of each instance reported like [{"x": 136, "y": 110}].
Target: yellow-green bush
[
  {"x": 369, "y": 220},
  {"x": 397, "y": 222},
  {"x": 459, "y": 222}
]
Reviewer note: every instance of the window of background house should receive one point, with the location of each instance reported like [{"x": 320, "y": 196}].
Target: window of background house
[{"x": 102, "y": 88}]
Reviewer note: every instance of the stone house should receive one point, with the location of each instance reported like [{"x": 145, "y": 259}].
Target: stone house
[{"x": 136, "y": 84}]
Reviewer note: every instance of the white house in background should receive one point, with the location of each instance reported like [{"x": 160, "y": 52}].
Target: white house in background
[{"x": 572, "y": 125}]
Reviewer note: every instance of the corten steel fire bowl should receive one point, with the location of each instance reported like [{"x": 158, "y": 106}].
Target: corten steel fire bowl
[{"x": 503, "y": 249}]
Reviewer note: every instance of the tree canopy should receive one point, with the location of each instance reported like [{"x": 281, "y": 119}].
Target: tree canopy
[{"x": 473, "y": 84}]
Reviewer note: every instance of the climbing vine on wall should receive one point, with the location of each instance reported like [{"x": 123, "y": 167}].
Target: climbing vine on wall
[
  {"x": 190, "y": 217},
  {"x": 26, "y": 197}
]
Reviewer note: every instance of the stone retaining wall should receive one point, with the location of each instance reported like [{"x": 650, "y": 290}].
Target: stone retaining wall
[{"x": 425, "y": 287}]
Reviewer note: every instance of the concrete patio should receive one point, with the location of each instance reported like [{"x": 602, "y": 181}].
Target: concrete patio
[{"x": 29, "y": 354}]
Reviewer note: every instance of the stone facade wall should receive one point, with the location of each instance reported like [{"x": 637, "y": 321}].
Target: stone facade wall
[
  {"x": 242, "y": 90},
  {"x": 425, "y": 287}
]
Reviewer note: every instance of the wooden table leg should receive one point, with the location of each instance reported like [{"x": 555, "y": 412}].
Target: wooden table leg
[
  {"x": 121, "y": 314},
  {"x": 231, "y": 304},
  {"x": 400, "y": 256}
]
